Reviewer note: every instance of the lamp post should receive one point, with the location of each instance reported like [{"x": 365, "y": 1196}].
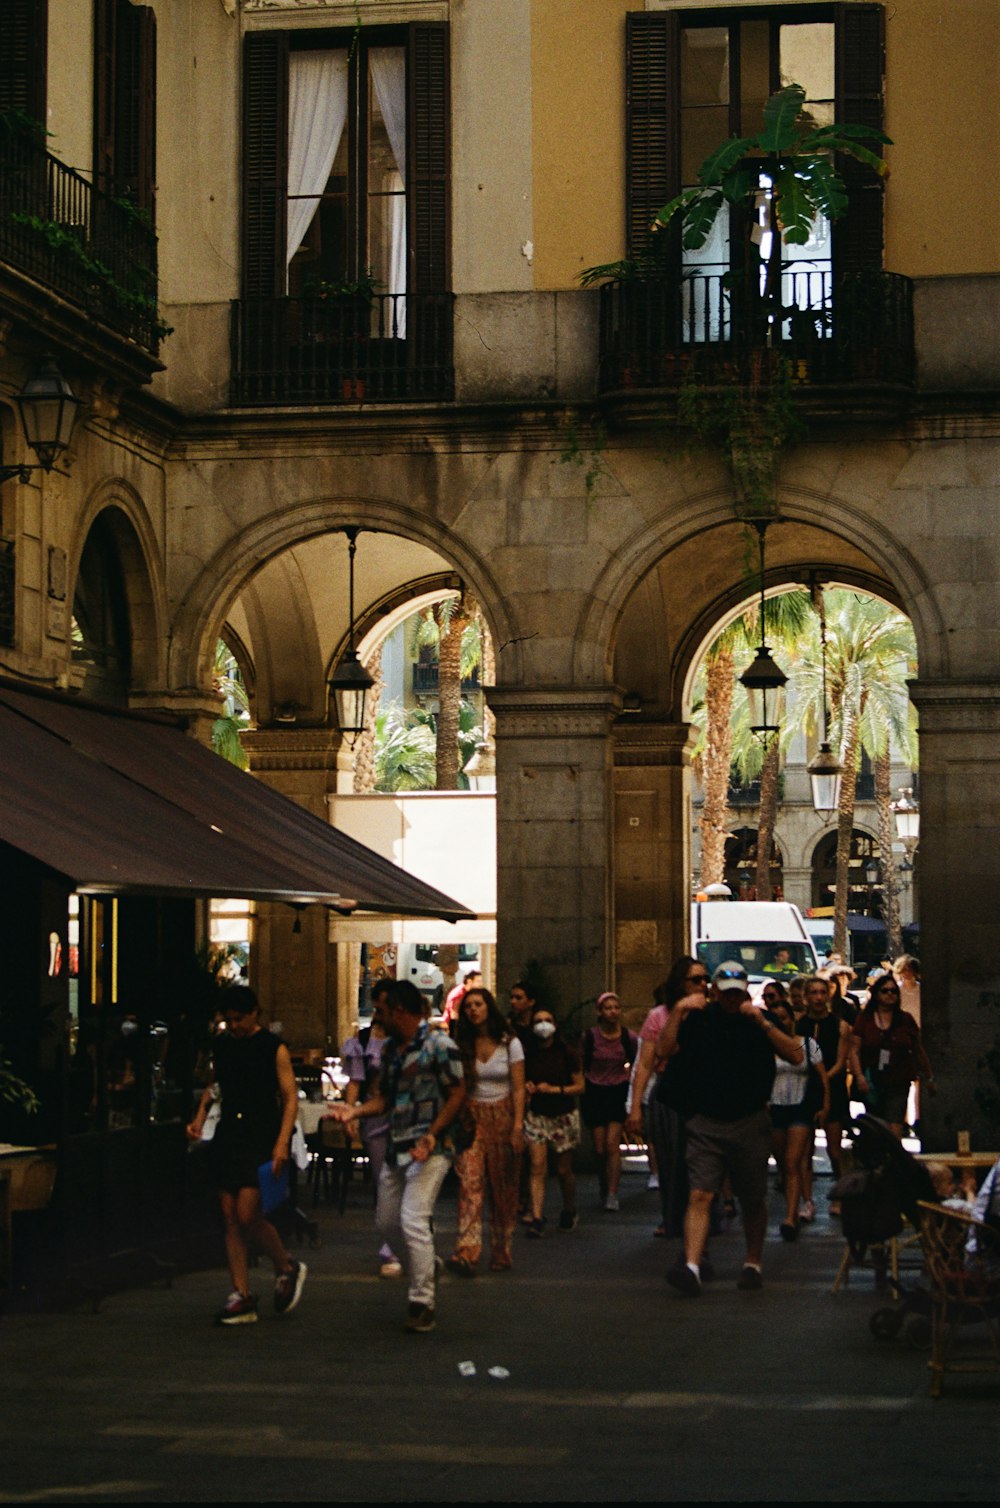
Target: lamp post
[
  {"x": 762, "y": 675},
  {"x": 824, "y": 769},
  {"x": 49, "y": 409},
  {"x": 872, "y": 871},
  {"x": 907, "y": 815},
  {"x": 350, "y": 682}
]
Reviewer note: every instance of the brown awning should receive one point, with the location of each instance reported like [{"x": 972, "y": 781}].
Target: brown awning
[{"x": 125, "y": 802}]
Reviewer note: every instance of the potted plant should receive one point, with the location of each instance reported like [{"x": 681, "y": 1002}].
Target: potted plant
[{"x": 338, "y": 313}]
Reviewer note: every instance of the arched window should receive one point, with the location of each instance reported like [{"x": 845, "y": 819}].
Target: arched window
[
  {"x": 101, "y": 633},
  {"x": 741, "y": 865},
  {"x": 863, "y": 897}
]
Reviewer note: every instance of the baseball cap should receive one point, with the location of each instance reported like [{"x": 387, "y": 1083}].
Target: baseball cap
[{"x": 730, "y": 975}]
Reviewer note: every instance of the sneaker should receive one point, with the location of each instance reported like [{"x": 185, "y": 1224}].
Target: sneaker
[
  {"x": 611, "y": 1203},
  {"x": 789, "y": 1231},
  {"x": 288, "y": 1288},
  {"x": 750, "y": 1279},
  {"x": 684, "y": 1280},
  {"x": 392, "y": 1269},
  {"x": 568, "y": 1220},
  {"x": 653, "y": 1182},
  {"x": 239, "y": 1309},
  {"x": 534, "y": 1230},
  {"x": 420, "y": 1319}
]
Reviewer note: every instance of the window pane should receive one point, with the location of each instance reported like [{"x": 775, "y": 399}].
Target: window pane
[
  {"x": 807, "y": 58},
  {"x": 702, "y": 130},
  {"x": 386, "y": 177},
  {"x": 705, "y": 65}
]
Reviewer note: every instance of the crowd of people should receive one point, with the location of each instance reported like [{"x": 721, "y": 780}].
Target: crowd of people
[{"x": 714, "y": 1083}]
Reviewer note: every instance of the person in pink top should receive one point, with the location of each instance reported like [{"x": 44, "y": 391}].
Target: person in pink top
[
  {"x": 472, "y": 980},
  {"x": 609, "y": 1050}
]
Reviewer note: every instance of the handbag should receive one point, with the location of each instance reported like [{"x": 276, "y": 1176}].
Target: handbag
[{"x": 813, "y": 1098}]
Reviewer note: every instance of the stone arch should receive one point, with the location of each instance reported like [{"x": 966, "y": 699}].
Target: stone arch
[
  {"x": 878, "y": 562},
  {"x": 124, "y": 514},
  {"x": 244, "y": 553}
]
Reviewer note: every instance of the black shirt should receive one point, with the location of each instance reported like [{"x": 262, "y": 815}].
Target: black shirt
[{"x": 727, "y": 1064}]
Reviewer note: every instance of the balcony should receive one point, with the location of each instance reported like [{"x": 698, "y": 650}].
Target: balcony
[
  {"x": 426, "y": 675},
  {"x": 397, "y": 348},
  {"x": 662, "y": 332},
  {"x": 95, "y": 252}
]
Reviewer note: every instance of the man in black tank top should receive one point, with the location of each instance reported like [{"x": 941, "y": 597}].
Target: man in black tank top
[{"x": 259, "y": 1103}]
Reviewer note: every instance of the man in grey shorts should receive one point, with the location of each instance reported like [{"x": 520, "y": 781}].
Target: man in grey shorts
[{"x": 725, "y": 1049}]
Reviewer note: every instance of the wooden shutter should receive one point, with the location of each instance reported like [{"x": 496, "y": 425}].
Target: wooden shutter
[
  {"x": 265, "y": 163},
  {"x": 428, "y": 159},
  {"x": 23, "y": 56},
  {"x": 652, "y": 156},
  {"x": 858, "y": 235},
  {"x": 105, "y": 32},
  {"x": 135, "y": 104}
]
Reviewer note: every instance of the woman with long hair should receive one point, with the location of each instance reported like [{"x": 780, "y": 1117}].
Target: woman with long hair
[
  {"x": 887, "y": 1054},
  {"x": 666, "y": 1128},
  {"x": 494, "y": 1075},
  {"x": 609, "y": 1050},
  {"x": 794, "y": 1114}
]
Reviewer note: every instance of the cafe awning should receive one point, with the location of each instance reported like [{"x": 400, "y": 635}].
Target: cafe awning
[{"x": 128, "y": 803}]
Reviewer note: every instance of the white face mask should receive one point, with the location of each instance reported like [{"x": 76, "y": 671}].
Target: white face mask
[{"x": 544, "y": 1029}]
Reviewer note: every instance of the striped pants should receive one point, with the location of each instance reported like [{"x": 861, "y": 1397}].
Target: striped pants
[{"x": 489, "y": 1163}]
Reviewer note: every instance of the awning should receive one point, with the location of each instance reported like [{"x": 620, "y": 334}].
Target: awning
[{"x": 128, "y": 803}]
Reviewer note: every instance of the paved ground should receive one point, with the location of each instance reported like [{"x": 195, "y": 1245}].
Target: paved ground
[{"x": 619, "y": 1390}]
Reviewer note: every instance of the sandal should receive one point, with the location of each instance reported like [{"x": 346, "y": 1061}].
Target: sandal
[
  {"x": 460, "y": 1266},
  {"x": 502, "y": 1264},
  {"x": 534, "y": 1230}
]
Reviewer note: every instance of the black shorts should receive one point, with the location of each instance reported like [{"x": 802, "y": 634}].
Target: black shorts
[
  {"x": 783, "y": 1117},
  {"x": 236, "y": 1160},
  {"x": 603, "y": 1104}
]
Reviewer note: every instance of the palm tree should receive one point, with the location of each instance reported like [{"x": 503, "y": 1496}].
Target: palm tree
[
  {"x": 227, "y": 680},
  {"x": 404, "y": 752},
  {"x": 727, "y": 657},
  {"x": 871, "y": 651}
]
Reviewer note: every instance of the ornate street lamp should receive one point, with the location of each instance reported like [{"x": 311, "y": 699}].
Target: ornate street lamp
[
  {"x": 350, "y": 682},
  {"x": 763, "y": 675},
  {"x": 481, "y": 770},
  {"x": 49, "y": 409},
  {"x": 824, "y": 769},
  {"x": 907, "y": 814}
]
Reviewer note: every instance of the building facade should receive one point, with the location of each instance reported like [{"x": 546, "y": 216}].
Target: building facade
[{"x": 370, "y": 222}]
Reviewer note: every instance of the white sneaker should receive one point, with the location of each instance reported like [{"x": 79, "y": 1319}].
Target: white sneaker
[
  {"x": 611, "y": 1203},
  {"x": 391, "y": 1269},
  {"x": 653, "y": 1181}
]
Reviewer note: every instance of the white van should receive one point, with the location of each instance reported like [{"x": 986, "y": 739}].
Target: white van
[
  {"x": 769, "y": 938},
  {"x": 417, "y": 962}
]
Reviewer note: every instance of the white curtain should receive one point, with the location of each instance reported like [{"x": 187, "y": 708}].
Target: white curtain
[
  {"x": 388, "y": 68},
  {"x": 317, "y": 110}
]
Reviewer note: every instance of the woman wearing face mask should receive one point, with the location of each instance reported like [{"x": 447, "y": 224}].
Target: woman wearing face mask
[
  {"x": 554, "y": 1082},
  {"x": 494, "y": 1072}
]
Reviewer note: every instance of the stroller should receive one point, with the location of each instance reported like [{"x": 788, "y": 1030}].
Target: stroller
[{"x": 880, "y": 1193}]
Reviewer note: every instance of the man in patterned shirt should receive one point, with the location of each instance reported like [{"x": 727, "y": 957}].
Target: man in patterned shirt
[{"x": 421, "y": 1089}]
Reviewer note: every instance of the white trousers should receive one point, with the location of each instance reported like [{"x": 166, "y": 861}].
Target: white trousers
[{"x": 406, "y": 1199}]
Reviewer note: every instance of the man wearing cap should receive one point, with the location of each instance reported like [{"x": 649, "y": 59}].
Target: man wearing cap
[{"x": 725, "y": 1047}]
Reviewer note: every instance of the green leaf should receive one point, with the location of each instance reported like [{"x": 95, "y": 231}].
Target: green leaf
[
  {"x": 821, "y": 136},
  {"x": 718, "y": 163},
  {"x": 781, "y": 113},
  {"x": 700, "y": 219},
  {"x": 667, "y": 213},
  {"x": 739, "y": 184},
  {"x": 796, "y": 210},
  {"x": 826, "y": 186}
]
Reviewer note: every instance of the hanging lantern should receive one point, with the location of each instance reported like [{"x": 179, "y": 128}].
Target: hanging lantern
[
  {"x": 825, "y": 770},
  {"x": 350, "y": 682}
]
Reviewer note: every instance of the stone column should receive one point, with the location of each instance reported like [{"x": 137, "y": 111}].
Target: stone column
[
  {"x": 652, "y": 837},
  {"x": 295, "y": 971},
  {"x": 959, "y": 870},
  {"x": 554, "y": 865}
]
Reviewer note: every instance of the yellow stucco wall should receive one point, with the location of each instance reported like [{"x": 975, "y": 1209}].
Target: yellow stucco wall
[
  {"x": 943, "y": 113},
  {"x": 578, "y": 146}
]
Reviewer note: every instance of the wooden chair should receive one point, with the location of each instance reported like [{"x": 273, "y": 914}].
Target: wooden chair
[{"x": 965, "y": 1287}]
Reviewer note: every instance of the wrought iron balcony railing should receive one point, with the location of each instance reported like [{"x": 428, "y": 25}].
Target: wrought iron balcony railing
[
  {"x": 661, "y": 332},
  {"x": 94, "y": 251},
  {"x": 395, "y": 348},
  {"x": 425, "y": 680}
]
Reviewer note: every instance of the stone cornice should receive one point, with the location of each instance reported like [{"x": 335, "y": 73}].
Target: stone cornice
[
  {"x": 640, "y": 744},
  {"x": 292, "y": 748},
  {"x": 554, "y": 711},
  {"x": 957, "y": 706}
]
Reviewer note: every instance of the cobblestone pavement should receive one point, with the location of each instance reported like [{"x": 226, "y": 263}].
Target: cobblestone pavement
[{"x": 618, "y": 1389}]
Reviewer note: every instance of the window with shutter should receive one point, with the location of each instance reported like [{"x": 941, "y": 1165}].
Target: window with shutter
[
  {"x": 125, "y": 101},
  {"x": 695, "y": 78},
  {"x": 23, "y": 49}
]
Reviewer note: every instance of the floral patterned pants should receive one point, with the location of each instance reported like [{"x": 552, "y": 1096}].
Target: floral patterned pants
[{"x": 489, "y": 1162}]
